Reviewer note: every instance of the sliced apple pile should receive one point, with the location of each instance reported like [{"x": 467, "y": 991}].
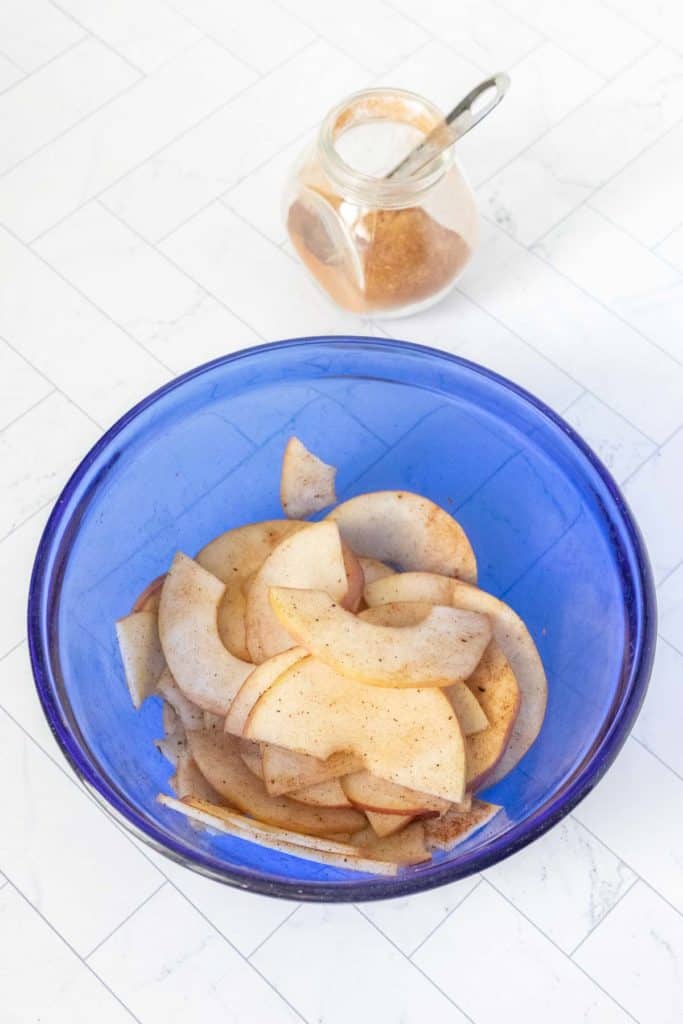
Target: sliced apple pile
[{"x": 338, "y": 690}]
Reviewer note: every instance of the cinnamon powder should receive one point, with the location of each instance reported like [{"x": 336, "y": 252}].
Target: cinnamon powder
[{"x": 405, "y": 254}]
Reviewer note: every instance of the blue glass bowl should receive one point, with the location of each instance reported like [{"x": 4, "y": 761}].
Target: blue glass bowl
[{"x": 552, "y": 534}]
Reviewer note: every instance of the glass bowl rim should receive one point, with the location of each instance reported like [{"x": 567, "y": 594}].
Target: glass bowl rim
[{"x": 520, "y": 835}]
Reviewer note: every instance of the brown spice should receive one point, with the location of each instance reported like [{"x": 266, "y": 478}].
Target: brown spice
[{"x": 406, "y": 256}]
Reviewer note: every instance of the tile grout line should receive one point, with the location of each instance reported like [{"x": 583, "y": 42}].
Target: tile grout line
[
  {"x": 95, "y": 35},
  {"x": 626, "y": 231},
  {"x": 170, "y": 6},
  {"x": 271, "y": 933},
  {"x": 61, "y": 938},
  {"x": 561, "y": 951},
  {"x": 652, "y": 752},
  {"x": 634, "y": 881},
  {"x": 443, "y": 920},
  {"x": 125, "y": 920},
  {"x": 417, "y": 967},
  {"x": 26, "y": 75},
  {"x": 27, "y": 411},
  {"x": 623, "y": 859}
]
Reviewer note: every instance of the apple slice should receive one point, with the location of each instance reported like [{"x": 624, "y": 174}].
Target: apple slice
[
  {"x": 189, "y": 781},
  {"x": 373, "y": 794},
  {"x": 172, "y": 747},
  {"x": 234, "y": 557},
  {"x": 207, "y": 673},
  {"x": 245, "y": 828},
  {"x": 306, "y": 483},
  {"x": 219, "y": 762},
  {"x": 189, "y": 714},
  {"x": 455, "y": 827},
  {"x": 170, "y": 720},
  {"x": 286, "y": 771},
  {"x": 509, "y": 632},
  {"x": 258, "y": 682},
  {"x": 312, "y": 557},
  {"x": 141, "y": 653},
  {"x": 407, "y": 530},
  {"x": 373, "y": 569},
  {"x": 495, "y": 686},
  {"x": 324, "y": 794},
  {"x": 387, "y": 824},
  {"x": 405, "y": 847},
  {"x": 442, "y": 649},
  {"x": 409, "y": 736},
  {"x": 148, "y": 600},
  {"x": 251, "y": 755},
  {"x": 469, "y": 712}
]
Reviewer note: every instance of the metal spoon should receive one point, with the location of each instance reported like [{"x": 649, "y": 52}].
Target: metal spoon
[{"x": 461, "y": 119}]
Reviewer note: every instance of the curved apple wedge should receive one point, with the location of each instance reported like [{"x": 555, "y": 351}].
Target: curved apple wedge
[
  {"x": 442, "y": 649},
  {"x": 407, "y": 530},
  {"x": 370, "y": 793},
  {"x": 189, "y": 781},
  {"x": 387, "y": 824},
  {"x": 373, "y": 569},
  {"x": 189, "y": 714},
  {"x": 324, "y": 794},
  {"x": 405, "y": 847},
  {"x": 217, "y": 755},
  {"x": 409, "y": 736},
  {"x": 306, "y": 482},
  {"x": 207, "y": 673},
  {"x": 456, "y": 826},
  {"x": 311, "y": 558},
  {"x": 262, "y": 677},
  {"x": 510, "y": 633},
  {"x": 141, "y": 653},
  {"x": 234, "y": 557},
  {"x": 148, "y": 600},
  {"x": 286, "y": 770},
  {"x": 349, "y": 857},
  {"x": 495, "y": 686}
]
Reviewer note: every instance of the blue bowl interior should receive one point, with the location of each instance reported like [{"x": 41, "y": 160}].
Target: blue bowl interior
[{"x": 546, "y": 523}]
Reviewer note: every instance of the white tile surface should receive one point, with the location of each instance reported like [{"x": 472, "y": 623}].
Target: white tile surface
[
  {"x": 34, "y": 31},
  {"x": 488, "y": 929},
  {"x": 263, "y": 40},
  {"x": 48, "y": 102},
  {"x": 371, "y": 31},
  {"x": 20, "y": 385},
  {"x": 589, "y": 146},
  {"x": 110, "y": 142},
  {"x": 625, "y": 371},
  {"x": 147, "y": 34},
  {"x": 565, "y": 882},
  {"x": 645, "y": 198},
  {"x": 621, "y": 272},
  {"x": 168, "y": 962},
  {"x": 483, "y": 32},
  {"x": 629, "y": 833},
  {"x": 16, "y": 558},
  {"x": 369, "y": 978},
  {"x": 658, "y": 725},
  {"x": 68, "y": 339},
  {"x": 589, "y": 30},
  {"x": 671, "y": 607},
  {"x": 66, "y": 992},
  {"x": 643, "y": 931},
  {"x": 215, "y": 155},
  {"x": 659, "y": 519},
  {"x": 86, "y": 883},
  {"x": 141, "y": 290},
  {"x": 54, "y": 432},
  {"x": 176, "y": 121},
  {"x": 407, "y": 922}
]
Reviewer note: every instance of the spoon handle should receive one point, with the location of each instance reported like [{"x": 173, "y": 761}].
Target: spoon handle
[{"x": 457, "y": 123}]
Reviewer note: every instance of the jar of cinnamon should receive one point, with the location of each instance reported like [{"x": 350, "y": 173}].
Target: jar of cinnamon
[{"x": 387, "y": 246}]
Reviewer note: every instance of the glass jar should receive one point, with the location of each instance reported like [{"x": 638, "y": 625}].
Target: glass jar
[{"x": 378, "y": 245}]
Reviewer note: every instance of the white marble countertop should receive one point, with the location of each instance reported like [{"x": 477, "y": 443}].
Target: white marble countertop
[{"x": 142, "y": 150}]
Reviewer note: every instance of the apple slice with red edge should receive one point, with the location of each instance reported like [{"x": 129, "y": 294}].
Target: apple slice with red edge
[{"x": 286, "y": 771}]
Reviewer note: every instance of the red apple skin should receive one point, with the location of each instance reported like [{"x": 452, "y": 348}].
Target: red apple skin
[{"x": 148, "y": 600}]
